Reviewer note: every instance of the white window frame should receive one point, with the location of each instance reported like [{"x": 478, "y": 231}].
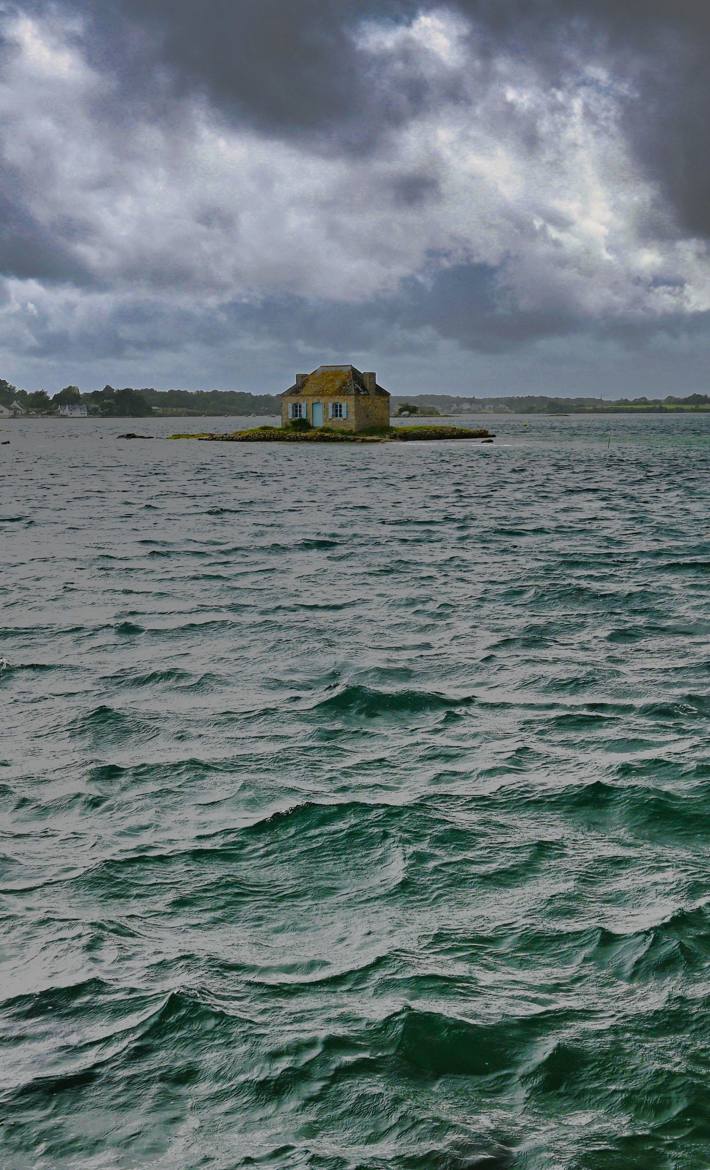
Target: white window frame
[
  {"x": 297, "y": 410},
  {"x": 338, "y": 410}
]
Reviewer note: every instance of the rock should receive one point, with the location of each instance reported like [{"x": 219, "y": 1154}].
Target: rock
[{"x": 133, "y": 435}]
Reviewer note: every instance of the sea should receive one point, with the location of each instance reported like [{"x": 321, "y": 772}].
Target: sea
[{"x": 355, "y": 800}]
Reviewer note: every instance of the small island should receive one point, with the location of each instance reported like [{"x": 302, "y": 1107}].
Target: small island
[
  {"x": 338, "y": 404},
  {"x": 293, "y": 433}
]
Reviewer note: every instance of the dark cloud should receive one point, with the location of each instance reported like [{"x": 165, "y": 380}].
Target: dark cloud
[
  {"x": 414, "y": 188},
  {"x": 463, "y": 304},
  {"x": 290, "y": 69},
  {"x": 295, "y": 69},
  {"x": 29, "y": 249},
  {"x": 259, "y": 348}
]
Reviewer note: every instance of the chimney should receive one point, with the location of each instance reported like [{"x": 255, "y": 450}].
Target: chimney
[
  {"x": 300, "y": 379},
  {"x": 370, "y": 381}
]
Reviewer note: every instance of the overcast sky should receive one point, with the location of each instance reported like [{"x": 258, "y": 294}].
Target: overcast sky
[{"x": 485, "y": 196}]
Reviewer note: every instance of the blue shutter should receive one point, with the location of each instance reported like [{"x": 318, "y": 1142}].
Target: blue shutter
[{"x": 345, "y": 410}]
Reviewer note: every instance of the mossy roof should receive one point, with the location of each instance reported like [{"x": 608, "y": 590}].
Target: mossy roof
[{"x": 334, "y": 382}]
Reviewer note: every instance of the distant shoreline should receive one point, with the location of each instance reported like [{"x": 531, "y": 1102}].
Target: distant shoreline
[{"x": 550, "y": 413}]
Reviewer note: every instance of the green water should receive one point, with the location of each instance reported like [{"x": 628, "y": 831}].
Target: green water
[{"x": 355, "y": 801}]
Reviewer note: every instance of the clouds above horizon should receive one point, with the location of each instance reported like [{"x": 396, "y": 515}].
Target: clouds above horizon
[{"x": 211, "y": 196}]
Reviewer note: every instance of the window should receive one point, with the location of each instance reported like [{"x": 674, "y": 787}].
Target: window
[
  {"x": 297, "y": 410},
  {"x": 338, "y": 410}
]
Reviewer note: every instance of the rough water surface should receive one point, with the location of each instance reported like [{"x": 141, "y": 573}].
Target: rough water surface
[{"x": 355, "y": 800}]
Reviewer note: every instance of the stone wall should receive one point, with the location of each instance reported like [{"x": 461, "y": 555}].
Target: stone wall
[
  {"x": 371, "y": 410},
  {"x": 364, "y": 410}
]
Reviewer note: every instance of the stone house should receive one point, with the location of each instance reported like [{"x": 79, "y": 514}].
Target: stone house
[{"x": 340, "y": 397}]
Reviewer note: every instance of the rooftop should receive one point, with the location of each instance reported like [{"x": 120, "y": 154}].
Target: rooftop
[{"x": 330, "y": 381}]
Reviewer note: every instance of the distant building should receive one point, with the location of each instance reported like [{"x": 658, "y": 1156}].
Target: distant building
[
  {"x": 73, "y": 410},
  {"x": 16, "y": 410},
  {"x": 5, "y": 411},
  {"x": 341, "y": 397}
]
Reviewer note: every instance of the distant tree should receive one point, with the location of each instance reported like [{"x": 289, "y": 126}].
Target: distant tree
[
  {"x": 8, "y": 392},
  {"x": 407, "y": 408},
  {"x": 39, "y": 400},
  {"x": 210, "y": 402},
  {"x": 70, "y": 395},
  {"x": 130, "y": 403}
]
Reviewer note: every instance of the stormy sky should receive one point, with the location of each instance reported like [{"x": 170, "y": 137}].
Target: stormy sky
[{"x": 483, "y": 196}]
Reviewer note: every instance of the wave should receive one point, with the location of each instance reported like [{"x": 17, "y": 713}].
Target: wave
[
  {"x": 676, "y": 944},
  {"x": 686, "y": 706},
  {"x": 16, "y": 668},
  {"x": 633, "y": 808},
  {"x": 128, "y": 628},
  {"x": 136, "y": 1030},
  {"x": 442, "y": 1045},
  {"x": 178, "y": 678},
  {"x": 156, "y": 773},
  {"x": 110, "y": 726},
  {"x": 55, "y": 998},
  {"x": 685, "y": 565},
  {"x": 371, "y": 703}
]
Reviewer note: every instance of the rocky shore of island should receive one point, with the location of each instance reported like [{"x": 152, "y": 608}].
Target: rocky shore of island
[{"x": 269, "y": 434}]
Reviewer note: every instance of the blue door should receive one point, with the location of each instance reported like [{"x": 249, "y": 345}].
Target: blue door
[{"x": 317, "y": 414}]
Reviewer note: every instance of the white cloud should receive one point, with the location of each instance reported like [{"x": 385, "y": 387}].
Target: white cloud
[
  {"x": 436, "y": 38},
  {"x": 44, "y": 51}
]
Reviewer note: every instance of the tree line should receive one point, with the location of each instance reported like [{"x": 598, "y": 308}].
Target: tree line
[
  {"x": 131, "y": 403},
  {"x": 128, "y": 402}
]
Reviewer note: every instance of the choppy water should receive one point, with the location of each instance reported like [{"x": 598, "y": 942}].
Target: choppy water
[{"x": 355, "y": 801}]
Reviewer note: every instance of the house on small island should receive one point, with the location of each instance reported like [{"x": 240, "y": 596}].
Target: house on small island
[{"x": 340, "y": 397}]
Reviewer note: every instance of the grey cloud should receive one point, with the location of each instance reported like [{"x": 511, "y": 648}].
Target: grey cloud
[
  {"x": 246, "y": 347},
  {"x": 290, "y": 69},
  {"x": 294, "y": 68},
  {"x": 463, "y": 304},
  {"x": 659, "y": 48},
  {"x": 29, "y": 249},
  {"x": 293, "y": 72}
]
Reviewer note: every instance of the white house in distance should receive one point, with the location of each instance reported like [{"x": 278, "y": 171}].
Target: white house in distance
[
  {"x": 73, "y": 410},
  {"x": 14, "y": 410}
]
